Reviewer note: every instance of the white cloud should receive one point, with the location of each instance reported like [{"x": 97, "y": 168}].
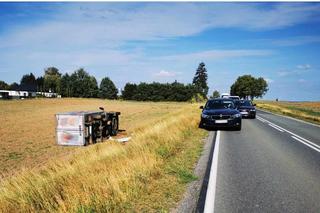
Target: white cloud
[
  {"x": 304, "y": 66},
  {"x": 300, "y": 69},
  {"x": 296, "y": 41},
  {"x": 216, "y": 54},
  {"x": 164, "y": 73},
  {"x": 110, "y": 24},
  {"x": 301, "y": 80}
]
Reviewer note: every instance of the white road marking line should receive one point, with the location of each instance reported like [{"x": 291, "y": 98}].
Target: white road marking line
[
  {"x": 318, "y": 150},
  {"x": 260, "y": 120},
  {"x": 297, "y": 136},
  {"x": 276, "y": 128},
  {"x": 211, "y": 190},
  {"x": 301, "y": 138}
]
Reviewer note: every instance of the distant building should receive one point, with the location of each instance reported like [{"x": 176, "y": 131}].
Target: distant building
[
  {"x": 13, "y": 94},
  {"x": 48, "y": 94}
]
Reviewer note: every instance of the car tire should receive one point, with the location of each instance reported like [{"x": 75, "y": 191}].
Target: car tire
[{"x": 238, "y": 128}]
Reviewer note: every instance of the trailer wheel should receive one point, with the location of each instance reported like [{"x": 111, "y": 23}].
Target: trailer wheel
[{"x": 114, "y": 126}]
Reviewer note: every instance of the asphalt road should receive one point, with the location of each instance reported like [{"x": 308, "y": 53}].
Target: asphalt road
[{"x": 271, "y": 165}]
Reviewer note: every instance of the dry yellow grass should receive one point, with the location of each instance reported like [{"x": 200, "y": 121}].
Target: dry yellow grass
[
  {"x": 146, "y": 175},
  {"x": 309, "y": 111},
  {"x": 27, "y": 127}
]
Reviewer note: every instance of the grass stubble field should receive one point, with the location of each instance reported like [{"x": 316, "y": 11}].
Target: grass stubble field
[
  {"x": 148, "y": 174},
  {"x": 308, "y": 111}
]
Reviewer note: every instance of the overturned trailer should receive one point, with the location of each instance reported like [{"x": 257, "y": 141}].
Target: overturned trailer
[{"x": 86, "y": 127}]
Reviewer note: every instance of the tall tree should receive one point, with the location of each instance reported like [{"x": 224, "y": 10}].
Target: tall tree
[
  {"x": 247, "y": 86},
  {"x": 3, "y": 85},
  {"x": 14, "y": 86},
  {"x": 107, "y": 89},
  {"x": 216, "y": 94},
  {"x": 28, "y": 83},
  {"x": 52, "y": 79},
  {"x": 40, "y": 84},
  {"x": 260, "y": 89},
  {"x": 129, "y": 91},
  {"x": 66, "y": 86},
  {"x": 200, "y": 80},
  {"x": 83, "y": 85}
]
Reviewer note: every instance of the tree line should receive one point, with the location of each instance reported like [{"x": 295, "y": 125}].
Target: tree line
[
  {"x": 77, "y": 84},
  {"x": 81, "y": 84}
]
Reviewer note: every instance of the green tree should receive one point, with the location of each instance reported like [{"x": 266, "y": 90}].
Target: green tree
[
  {"x": 83, "y": 85},
  {"x": 3, "y": 85},
  {"x": 107, "y": 89},
  {"x": 40, "y": 84},
  {"x": 200, "y": 80},
  {"x": 159, "y": 92},
  {"x": 66, "y": 86},
  {"x": 14, "y": 86},
  {"x": 260, "y": 88},
  {"x": 129, "y": 91},
  {"x": 216, "y": 94},
  {"x": 247, "y": 86},
  {"x": 28, "y": 82},
  {"x": 52, "y": 79}
]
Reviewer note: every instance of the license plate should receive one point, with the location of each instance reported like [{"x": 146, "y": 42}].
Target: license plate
[
  {"x": 244, "y": 113},
  {"x": 221, "y": 121}
]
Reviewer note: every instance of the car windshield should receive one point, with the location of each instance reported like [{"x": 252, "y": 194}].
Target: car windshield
[
  {"x": 219, "y": 104},
  {"x": 245, "y": 103},
  {"x": 234, "y": 98}
]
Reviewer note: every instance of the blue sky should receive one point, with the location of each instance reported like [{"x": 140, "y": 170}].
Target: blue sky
[{"x": 135, "y": 42}]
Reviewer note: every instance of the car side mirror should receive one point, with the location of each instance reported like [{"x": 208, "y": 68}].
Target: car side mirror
[
  {"x": 201, "y": 107},
  {"x": 254, "y": 104}
]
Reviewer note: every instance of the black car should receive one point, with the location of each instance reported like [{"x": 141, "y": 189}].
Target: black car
[
  {"x": 220, "y": 113},
  {"x": 246, "y": 108}
]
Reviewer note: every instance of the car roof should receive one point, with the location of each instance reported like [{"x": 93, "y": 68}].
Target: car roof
[{"x": 220, "y": 99}]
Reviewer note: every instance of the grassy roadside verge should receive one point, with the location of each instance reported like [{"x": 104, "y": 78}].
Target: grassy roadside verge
[
  {"x": 307, "y": 111},
  {"x": 149, "y": 174}
]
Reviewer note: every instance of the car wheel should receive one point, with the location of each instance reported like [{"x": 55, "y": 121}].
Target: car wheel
[{"x": 238, "y": 128}]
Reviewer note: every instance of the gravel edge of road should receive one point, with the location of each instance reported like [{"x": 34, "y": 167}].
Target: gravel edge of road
[{"x": 194, "y": 197}]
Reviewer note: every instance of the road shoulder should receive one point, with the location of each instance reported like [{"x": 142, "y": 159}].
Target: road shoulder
[{"x": 191, "y": 201}]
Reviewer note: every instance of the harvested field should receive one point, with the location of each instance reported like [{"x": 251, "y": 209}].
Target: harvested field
[
  {"x": 308, "y": 111},
  {"x": 27, "y": 133},
  {"x": 149, "y": 174}
]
